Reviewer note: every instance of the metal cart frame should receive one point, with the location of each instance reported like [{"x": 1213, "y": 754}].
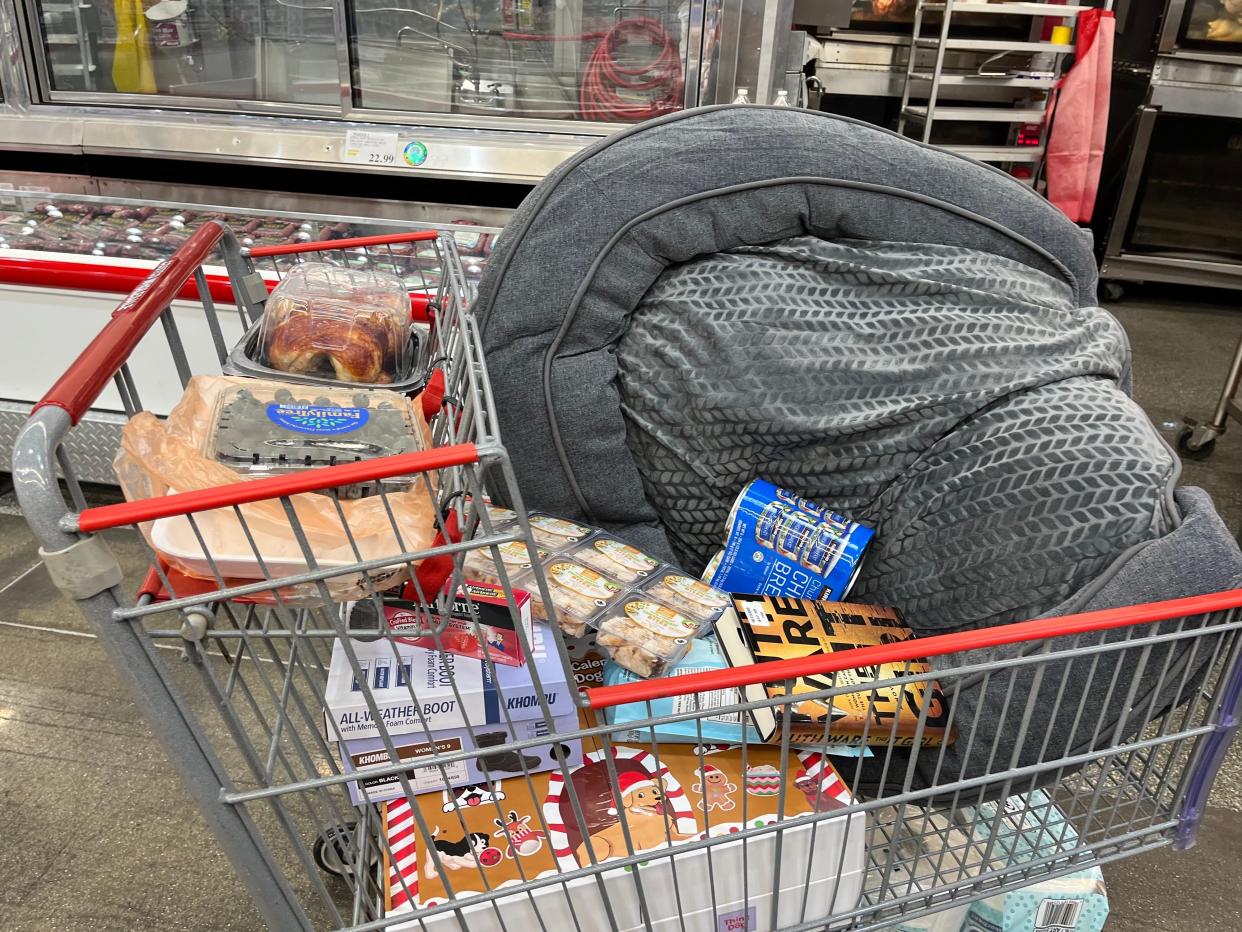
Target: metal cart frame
[
  {"x": 242, "y": 720},
  {"x": 1197, "y": 440}
]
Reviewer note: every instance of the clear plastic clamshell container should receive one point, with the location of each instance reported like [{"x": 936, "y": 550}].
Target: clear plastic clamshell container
[
  {"x": 616, "y": 559},
  {"x": 692, "y": 597},
  {"x": 578, "y": 592},
  {"x": 344, "y": 325},
  {"x": 266, "y": 428},
  {"x": 645, "y": 637},
  {"x": 557, "y": 533}
]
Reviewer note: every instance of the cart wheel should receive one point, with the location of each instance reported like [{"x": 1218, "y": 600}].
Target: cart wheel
[
  {"x": 1112, "y": 291},
  {"x": 1187, "y": 447},
  {"x": 332, "y": 850}
]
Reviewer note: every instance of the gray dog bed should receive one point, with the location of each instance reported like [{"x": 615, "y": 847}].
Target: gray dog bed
[{"x": 896, "y": 331}]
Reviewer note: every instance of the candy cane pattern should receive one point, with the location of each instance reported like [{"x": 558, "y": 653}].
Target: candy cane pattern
[
  {"x": 683, "y": 811},
  {"x": 402, "y": 835},
  {"x": 831, "y": 786}
]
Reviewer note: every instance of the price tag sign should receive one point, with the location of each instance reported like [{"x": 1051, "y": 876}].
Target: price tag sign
[{"x": 366, "y": 147}]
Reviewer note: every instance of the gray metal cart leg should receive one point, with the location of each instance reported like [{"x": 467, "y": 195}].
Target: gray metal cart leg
[
  {"x": 174, "y": 725},
  {"x": 1197, "y": 441}
]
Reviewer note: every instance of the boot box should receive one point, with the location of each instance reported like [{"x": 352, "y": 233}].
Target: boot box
[
  {"x": 417, "y": 691},
  {"x": 475, "y": 780}
]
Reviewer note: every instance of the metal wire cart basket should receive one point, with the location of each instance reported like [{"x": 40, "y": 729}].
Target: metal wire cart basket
[{"x": 507, "y": 799}]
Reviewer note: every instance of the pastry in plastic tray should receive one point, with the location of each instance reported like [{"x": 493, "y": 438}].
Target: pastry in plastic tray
[
  {"x": 480, "y": 565},
  {"x": 616, "y": 559},
  {"x": 556, "y": 533},
  {"x": 688, "y": 595},
  {"x": 263, "y": 429},
  {"x": 645, "y": 637},
  {"x": 349, "y": 324},
  {"x": 578, "y": 592}
]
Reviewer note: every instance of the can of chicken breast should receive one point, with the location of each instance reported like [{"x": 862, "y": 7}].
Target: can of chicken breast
[{"x": 778, "y": 543}]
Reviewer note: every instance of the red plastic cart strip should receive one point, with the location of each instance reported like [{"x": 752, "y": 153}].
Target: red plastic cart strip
[
  {"x": 241, "y": 493},
  {"x": 92, "y": 276},
  {"x": 259, "y": 252},
  {"x": 777, "y": 671},
  {"x": 70, "y": 275},
  {"x": 89, "y": 374},
  {"x": 184, "y": 587}
]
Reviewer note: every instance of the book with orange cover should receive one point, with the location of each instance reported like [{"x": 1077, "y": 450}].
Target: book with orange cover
[{"x": 762, "y": 629}]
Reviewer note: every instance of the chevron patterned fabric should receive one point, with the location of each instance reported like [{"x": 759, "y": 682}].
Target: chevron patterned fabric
[{"x": 956, "y": 399}]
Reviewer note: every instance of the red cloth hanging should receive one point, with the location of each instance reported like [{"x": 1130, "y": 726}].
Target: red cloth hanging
[{"x": 1075, "y": 152}]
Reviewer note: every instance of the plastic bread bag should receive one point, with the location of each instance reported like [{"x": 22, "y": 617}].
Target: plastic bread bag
[{"x": 159, "y": 457}]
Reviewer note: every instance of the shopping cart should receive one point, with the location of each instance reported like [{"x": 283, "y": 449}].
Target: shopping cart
[{"x": 754, "y": 837}]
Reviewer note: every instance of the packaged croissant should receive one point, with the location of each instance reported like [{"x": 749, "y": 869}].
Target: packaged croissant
[
  {"x": 339, "y": 324},
  {"x": 226, "y": 430}
]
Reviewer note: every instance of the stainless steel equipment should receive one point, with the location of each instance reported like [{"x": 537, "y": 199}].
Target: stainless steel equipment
[
  {"x": 1028, "y": 80},
  {"x": 1176, "y": 214}
]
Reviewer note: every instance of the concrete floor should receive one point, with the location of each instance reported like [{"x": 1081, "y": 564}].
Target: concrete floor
[{"x": 99, "y": 833}]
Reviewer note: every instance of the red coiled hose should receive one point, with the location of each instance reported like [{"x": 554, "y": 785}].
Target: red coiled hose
[{"x": 604, "y": 81}]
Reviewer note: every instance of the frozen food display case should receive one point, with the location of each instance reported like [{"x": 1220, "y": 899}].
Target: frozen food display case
[
  {"x": 66, "y": 259},
  {"x": 480, "y": 89}
]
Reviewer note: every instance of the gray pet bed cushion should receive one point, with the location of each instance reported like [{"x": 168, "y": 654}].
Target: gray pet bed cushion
[
  {"x": 593, "y": 237},
  {"x": 626, "y": 399},
  {"x": 955, "y": 400}
]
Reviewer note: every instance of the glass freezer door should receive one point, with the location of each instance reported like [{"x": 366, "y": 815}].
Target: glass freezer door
[
  {"x": 543, "y": 59},
  {"x": 589, "y": 61},
  {"x": 247, "y": 50}
]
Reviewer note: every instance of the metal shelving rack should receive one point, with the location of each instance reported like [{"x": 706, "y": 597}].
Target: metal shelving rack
[
  {"x": 923, "y": 83},
  {"x": 74, "y": 36}
]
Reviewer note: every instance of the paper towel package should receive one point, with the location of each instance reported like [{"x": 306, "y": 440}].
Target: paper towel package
[{"x": 1024, "y": 828}]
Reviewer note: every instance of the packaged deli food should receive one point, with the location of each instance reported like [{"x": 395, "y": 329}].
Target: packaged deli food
[
  {"x": 499, "y": 517},
  {"x": 644, "y": 610},
  {"x": 161, "y": 456},
  {"x": 578, "y": 592},
  {"x": 616, "y": 559},
  {"x": 645, "y": 637},
  {"x": 351, "y": 325},
  {"x": 688, "y": 595},
  {"x": 556, "y": 533},
  {"x": 481, "y": 564}
]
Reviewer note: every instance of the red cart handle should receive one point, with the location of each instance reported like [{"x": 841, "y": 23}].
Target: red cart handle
[
  {"x": 255, "y": 490},
  {"x": 90, "y": 373},
  {"x": 258, "y": 252},
  {"x": 778, "y": 671}
]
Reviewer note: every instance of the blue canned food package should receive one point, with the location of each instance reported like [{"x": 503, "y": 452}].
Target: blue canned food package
[{"x": 777, "y": 543}]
